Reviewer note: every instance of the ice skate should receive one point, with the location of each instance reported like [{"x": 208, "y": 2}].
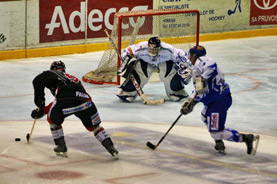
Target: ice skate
[
  {"x": 219, "y": 146},
  {"x": 61, "y": 150},
  {"x": 249, "y": 139},
  {"x": 108, "y": 144},
  {"x": 112, "y": 150}
]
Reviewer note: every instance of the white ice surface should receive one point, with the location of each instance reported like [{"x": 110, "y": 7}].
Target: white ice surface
[{"x": 185, "y": 156}]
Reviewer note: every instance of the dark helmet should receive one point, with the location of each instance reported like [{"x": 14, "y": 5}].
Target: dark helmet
[
  {"x": 154, "y": 45},
  {"x": 197, "y": 51},
  {"x": 57, "y": 65}
]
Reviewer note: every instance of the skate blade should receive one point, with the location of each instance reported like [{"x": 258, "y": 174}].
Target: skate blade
[
  {"x": 62, "y": 154},
  {"x": 256, "y": 143},
  {"x": 222, "y": 152}
]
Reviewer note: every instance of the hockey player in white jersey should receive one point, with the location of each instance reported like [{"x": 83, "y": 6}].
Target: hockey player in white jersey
[
  {"x": 212, "y": 90},
  {"x": 144, "y": 58}
]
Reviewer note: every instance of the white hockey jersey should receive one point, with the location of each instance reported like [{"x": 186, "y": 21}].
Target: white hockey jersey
[
  {"x": 166, "y": 53},
  {"x": 216, "y": 85}
]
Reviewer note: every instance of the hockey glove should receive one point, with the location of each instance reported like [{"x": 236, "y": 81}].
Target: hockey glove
[
  {"x": 188, "y": 106},
  {"x": 124, "y": 63},
  {"x": 37, "y": 113},
  {"x": 185, "y": 74},
  {"x": 129, "y": 68},
  {"x": 40, "y": 101},
  {"x": 200, "y": 85}
]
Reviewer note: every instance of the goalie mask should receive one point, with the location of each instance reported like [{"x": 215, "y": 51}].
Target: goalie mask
[
  {"x": 154, "y": 45},
  {"x": 58, "y": 65}
]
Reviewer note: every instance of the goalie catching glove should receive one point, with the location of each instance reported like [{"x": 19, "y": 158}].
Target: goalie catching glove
[
  {"x": 127, "y": 66},
  {"x": 37, "y": 113},
  {"x": 187, "y": 107}
]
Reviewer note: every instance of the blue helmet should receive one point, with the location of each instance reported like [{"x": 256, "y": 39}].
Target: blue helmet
[{"x": 198, "y": 51}]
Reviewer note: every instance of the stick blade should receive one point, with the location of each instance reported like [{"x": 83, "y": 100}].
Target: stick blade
[
  {"x": 147, "y": 101},
  {"x": 28, "y": 138},
  {"x": 150, "y": 145}
]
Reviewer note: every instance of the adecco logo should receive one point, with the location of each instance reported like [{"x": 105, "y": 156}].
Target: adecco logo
[
  {"x": 266, "y": 4},
  {"x": 64, "y": 20},
  {"x": 95, "y": 17}
]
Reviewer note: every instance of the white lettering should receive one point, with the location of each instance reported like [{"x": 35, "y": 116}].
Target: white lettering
[
  {"x": 107, "y": 18},
  {"x": 95, "y": 19},
  {"x": 53, "y": 24},
  {"x": 81, "y": 16},
  {"x": 131, "y": 19},
  {"x": 91, "y": 20},
  {"x": 124, "y": 26}
]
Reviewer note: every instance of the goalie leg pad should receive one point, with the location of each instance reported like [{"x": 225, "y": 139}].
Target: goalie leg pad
[
  {"x": 173, "y": 85},
  {"x": 142, "y": 73}
]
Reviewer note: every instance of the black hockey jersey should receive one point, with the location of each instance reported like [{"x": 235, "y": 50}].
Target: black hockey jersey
[{"x": 61, "y": 85}]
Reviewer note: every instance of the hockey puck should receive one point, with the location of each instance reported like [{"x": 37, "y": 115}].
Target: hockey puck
[{"x": 17, "y": 139}]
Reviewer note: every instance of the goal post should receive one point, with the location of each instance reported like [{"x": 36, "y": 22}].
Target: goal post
[{"x": 179, "y": 28}]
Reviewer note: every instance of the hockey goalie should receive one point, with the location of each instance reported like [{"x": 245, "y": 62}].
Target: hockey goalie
[{"x": 142, "y": 59}]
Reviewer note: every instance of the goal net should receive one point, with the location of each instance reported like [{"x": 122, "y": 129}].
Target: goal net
[{"x": 179, "y": 28}]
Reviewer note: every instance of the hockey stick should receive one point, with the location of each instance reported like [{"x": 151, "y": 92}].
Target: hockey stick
[
  {"x": 143, "y": 97},
  {"x": 152, "y": 146},
  {"x": 28, "y": 136}
]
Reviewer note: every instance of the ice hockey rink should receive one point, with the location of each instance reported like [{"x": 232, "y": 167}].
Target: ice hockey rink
[{"x": 186, "y": 156}]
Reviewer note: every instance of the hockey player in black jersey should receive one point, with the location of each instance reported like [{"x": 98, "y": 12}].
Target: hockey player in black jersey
[{"x": 70, "y": 98}]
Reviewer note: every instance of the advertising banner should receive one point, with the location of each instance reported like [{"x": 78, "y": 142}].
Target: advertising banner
[
  {"x": 68, "y": 19},
  {"x": 263, "y": 12}
]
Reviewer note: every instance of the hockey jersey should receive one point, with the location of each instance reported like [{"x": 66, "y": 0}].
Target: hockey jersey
[
  {"x": 61, "y": 85},
  {"x": 214, "y": 77},
  {"x": 166, "y": 53}
]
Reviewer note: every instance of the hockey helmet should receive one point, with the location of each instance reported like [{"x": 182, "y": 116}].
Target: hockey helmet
[
  {"x": 57, "y": 65},
  {"x": 197, "y": 51},
  {"x": 154, "y": 45}
]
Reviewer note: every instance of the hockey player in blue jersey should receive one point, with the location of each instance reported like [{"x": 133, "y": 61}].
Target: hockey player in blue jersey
[{"x": 212, "y": 90}]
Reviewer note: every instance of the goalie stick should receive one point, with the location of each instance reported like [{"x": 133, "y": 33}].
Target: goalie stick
[
  {"x": 152, "y": 146},
  {"x": 143, "y": 97}
]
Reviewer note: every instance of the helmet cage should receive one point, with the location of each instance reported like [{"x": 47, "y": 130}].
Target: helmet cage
[{"x": 153, "y": 49}]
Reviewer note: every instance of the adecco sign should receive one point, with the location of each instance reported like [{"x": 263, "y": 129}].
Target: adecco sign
[
  {"x": 66, "y": 19},
  {"x": 263, "y": 12}
]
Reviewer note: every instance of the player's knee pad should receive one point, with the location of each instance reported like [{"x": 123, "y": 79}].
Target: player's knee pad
[
  {"x": 55, "y": 116},
  {"x": 173, "y": 85}
]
